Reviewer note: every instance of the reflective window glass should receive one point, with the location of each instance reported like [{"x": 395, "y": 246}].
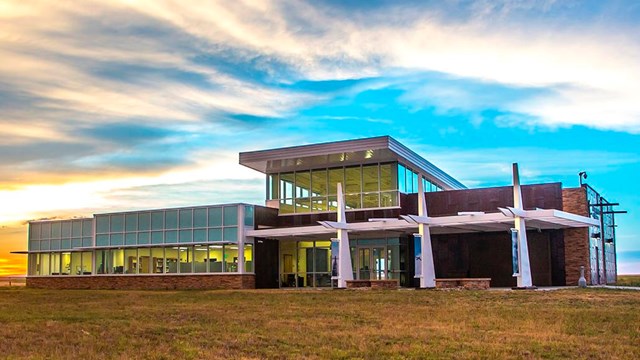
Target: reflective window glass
[
  {"x": 157, "y": 237},
  {"x": 87, "y": 227},
  {"x": 157, "y": 220},
  {"x": 116, "y": 239},
  {"x": 55, "y": 230},
  {"x": 170, "y": 237},
  {"x": 144, "y": 220},
  {"x": 199, "y": 218},
  {"x": 102, "y": 226},
  {"x": 131, "y": 222},
  {"x": 186, "y": 219},
  {"x": 388, "y": 177},
  {"x": 303, "y": 184},
  {"x": 185, "y": 236},
  {"x": 66, "y": 227},
  {"x": 129, "y": 239},
  {"x": 55, "y": 244},
  {"x": 215, "y": 216},
  {"x": 319, "y": 182},
  {"x": 171, "y": 219},
  {"x": 352, "y": 180},
  {"x": 402, "y": 184},
  {"x": 335, "y": 176},
  {"x": 272, "y": 183},
  {"x": 303, "y": 205},
  {"x": 370, "y": 178},
  {"x": 230, "y": 215},
  {"x": 65, "y": 244},
  {"x": 286, "y": 185},
  {"x": 46, "y": 231},
  {"x": 200, "y": 235},
  {"x": 230, "y": 234},
  {"x": 102, "y": 240},
  {"x": 215, "y": 235},
  {"x": 117, "y": 224},
  {"x": 34, "y": 231},
  {"x": 144, "y": 237},
  {"x": 248, "y": 215},
  {"x": 86, "y": 242},
  {"x": 75, "y": 242},
  {"x": 370, "y": 200}
]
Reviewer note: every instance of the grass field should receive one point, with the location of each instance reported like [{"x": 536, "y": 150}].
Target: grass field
[
  {"x": 628, "y": 280},
  {"x": 574, "y": 323}
]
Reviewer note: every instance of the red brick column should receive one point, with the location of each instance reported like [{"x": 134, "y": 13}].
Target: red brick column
[{"x": 576, "y": 240}]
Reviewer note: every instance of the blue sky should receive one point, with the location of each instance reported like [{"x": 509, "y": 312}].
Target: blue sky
[{"x": 108, "y": 105}]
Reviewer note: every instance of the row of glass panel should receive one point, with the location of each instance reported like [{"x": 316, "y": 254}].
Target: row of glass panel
[
  {"x": 408, "y": 181},
  {"x": 227, "y": 234},
  {"x": 57, "y": 244},
  {"x": 62, "y": 229},
  {"x": 330, "y": 203},
  {"x": 365, "y": 186},
  {"x": 61, "y": 263},
  {"x": 218, "y": 216},
  {"x": 155, "y": 260},
  {"x": 173, "y": 260},
  {"x": 308, "y": 263}
]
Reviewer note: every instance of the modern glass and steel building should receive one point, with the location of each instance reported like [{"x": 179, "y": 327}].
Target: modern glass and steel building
[{"x": 290, "y": 241}]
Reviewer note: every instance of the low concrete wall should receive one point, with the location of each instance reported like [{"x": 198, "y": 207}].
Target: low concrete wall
[{"x": 145, "y": 282}]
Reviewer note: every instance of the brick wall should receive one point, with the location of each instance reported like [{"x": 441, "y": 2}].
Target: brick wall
[
  {"x": 145, "y": 282},
  {"x": 576, "y": 240}
]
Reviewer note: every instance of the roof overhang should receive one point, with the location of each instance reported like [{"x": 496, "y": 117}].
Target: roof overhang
[
  {"x": 344, "y": 153},
  {"x": 539, "y": 219}
]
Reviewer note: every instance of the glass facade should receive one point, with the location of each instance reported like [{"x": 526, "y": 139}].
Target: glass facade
[
  {"x": 60, "y": 235},
  {"x": 308, "y": 263},
  {"x": 171, "y": 241},
  {"x": 365, "y": 187},
  {"x": 601, "y": 242}
]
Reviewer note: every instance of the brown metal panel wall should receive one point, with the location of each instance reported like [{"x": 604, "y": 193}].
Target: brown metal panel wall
[
  {"x": 266, "y": 263},
  {"x": 444, "y": 203}
]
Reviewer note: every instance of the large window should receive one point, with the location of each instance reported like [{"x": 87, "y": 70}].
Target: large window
[
  {"x": 305, "y": 263},
  {"x": 365, "y": 186},
  {"x": 174, "y": 226},
  {"x": 60, "y": 234}
]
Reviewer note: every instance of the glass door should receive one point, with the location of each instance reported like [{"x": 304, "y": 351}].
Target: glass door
[
  {"x": 364, "y": 261},
  {"x": 372, "y": 263},
  {"x": 378, "y": 264}
]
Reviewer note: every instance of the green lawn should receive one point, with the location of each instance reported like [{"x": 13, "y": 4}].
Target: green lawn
[
  {"x": 83, "y": 324},
  {"x": 628, "y": 280}
]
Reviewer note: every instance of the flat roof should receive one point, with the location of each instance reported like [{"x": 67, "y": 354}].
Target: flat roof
[{"x": 345, "y": 153}]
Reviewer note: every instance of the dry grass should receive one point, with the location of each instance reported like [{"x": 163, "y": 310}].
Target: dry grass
[
  {"x": 628, "y": 280},
  {"x": 576, "y": 323}
]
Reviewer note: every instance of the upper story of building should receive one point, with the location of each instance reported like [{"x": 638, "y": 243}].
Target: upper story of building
[{"x": 374, "y": 172}]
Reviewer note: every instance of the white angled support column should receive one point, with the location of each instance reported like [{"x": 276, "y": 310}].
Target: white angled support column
[
  {"x": 524, "y": 276},
  {"x": 428, "y": 278},
  {"x": 345, "y": 270}
]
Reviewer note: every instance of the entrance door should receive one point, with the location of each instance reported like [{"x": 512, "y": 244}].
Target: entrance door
[{"x": 372, "y": 263}]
